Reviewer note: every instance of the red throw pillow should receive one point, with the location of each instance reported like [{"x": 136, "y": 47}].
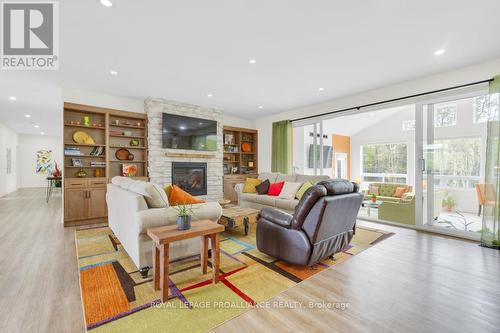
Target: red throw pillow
[{"x": 275, "y": 189}]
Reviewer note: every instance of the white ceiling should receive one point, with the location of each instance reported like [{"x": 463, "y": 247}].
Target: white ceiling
[{"x": 184, "y": 50}]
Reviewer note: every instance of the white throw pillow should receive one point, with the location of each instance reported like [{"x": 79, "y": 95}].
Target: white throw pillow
[
  {"x": 154, "y": 194},
  {"x": 289, "y": 190}
]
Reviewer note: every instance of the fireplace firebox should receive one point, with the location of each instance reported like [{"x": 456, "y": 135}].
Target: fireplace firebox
[{"x": 190, "y": 176}]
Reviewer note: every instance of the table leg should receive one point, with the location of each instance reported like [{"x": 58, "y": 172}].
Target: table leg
[
  {"x": 215, "y": 257},
  {"x": 204, "y": 254},
  {"x": 246, "y": 224},
  {"x": 47, "y": 192},
  {"x": 164, "y": 271},
  {"x": 156, "y": 267}
]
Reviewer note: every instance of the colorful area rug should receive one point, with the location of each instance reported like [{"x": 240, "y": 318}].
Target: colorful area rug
[{"x": 117, "y": 299}]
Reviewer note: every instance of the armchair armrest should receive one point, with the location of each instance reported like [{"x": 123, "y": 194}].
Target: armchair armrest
[{"x": 277, "y": 217}]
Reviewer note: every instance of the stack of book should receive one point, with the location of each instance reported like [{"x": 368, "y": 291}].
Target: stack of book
[
  {"x": 72, "y": 151},
  {"x": 97, "y": 151},
  {"x": 98, "y": 164}
]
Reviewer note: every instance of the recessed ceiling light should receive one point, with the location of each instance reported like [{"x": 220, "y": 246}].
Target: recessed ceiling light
[
  {"x": 12, "y": 98},
  {"x": 200, "y": 124},
  {"x": 42, "y": 133},
  {"x": 114, "y": 72},
  {"x": 261, "y": 107},
  {"x": 106, "y": 3},
  {"x": 209, "y": 95},
  {"x": 36, "y": 126},
  {"x": 371, "y": 114},
  {"x": 252, "y": 61},
  {"x": 321, "y": 89},
  {"x": 27, "y": 116},
  {"x": 439, "y": 52}
]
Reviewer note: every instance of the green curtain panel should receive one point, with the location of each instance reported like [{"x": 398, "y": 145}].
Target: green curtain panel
[
  {"x": 282, "y": 147},
  {"x": 490, "y": 235}
]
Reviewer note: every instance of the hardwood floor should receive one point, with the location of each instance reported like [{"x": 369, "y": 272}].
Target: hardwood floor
[
  {"x": 39, "y": 275},
  {"x": 411, "y": 282}
]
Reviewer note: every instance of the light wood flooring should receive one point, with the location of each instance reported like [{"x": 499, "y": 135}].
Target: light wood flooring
[{"x": 411, "y": 282}]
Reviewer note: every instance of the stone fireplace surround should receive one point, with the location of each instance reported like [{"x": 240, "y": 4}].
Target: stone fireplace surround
[{"x": 160, "y": 159}]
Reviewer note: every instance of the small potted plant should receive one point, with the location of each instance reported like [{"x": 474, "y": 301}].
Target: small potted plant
[
  {"x": 374, "y": 198},
  {"x": 184, "y": 216},
  {"x": 448, "y": 203}
]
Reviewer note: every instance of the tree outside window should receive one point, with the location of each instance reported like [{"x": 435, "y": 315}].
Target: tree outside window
[
  {"x": 485, "y": 108},
  {"x": 385, "y": 162},
  {"x": 445, "y": 115}
]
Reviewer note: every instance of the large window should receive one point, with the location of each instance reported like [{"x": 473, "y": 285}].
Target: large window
[
  {"x": 456, "y": 162},
  {"x": 384, "y": 163}
]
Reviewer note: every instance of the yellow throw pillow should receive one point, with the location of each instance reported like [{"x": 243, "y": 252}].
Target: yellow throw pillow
[
  {"x": 250, "y": 184},
  {"x": 303, "y": 189},
  {"x": 168, "y": 190}
]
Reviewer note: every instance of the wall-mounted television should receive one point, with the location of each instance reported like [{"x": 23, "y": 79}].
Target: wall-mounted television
[
  {"x": 180, "y": 132},
  {"x": 327, "y": 156}
]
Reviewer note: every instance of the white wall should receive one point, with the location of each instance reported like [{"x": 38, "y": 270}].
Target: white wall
[
  {"x": 132, "y": 105},
  {"x": 28, "y": 146},
  {"x": 444, "y": 80},
  {"x": 8, "y": 140}
]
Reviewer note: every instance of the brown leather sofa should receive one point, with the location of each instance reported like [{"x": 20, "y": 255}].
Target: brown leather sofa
[{"x": 323, "y": 224}]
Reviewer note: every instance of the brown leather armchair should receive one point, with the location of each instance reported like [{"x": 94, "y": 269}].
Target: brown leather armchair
[{"x": 323, "y": 224}]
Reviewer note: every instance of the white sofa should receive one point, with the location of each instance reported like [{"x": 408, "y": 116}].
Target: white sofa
[
  {"x": 131, "y": 212},
  {"x": 259, "y": 201}
]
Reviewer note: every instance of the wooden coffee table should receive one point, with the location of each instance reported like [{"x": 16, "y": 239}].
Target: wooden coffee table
[
  {"x": 163, "y": 236},
  {"x": 236, "y": 216}
]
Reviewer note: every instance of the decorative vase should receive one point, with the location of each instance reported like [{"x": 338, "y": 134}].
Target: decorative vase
[
  {"x": 81, "y": 173},
  {"x": 184, "y": 222},
  {"x": 56, "y": 172},
  {"x": 86, "y": 121}
]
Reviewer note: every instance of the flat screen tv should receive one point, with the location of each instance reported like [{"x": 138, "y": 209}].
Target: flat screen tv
[
  {"x": 180, "y": 132},
  {"x": 327, "y": 156}
]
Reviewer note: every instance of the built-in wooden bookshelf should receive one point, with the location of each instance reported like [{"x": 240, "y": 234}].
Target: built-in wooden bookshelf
[
  {"x": 238, "y": 164},
  {"x": 236, "y": 159},
  {"x": 89, "y": 167}
]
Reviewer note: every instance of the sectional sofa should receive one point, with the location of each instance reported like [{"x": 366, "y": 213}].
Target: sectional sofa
[{"x": 259, "y": 201}]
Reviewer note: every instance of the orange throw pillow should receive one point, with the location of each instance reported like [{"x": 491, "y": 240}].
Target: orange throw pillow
[
  {"x": 180, "y": 197},
  {"x": 400, "y": 191}
]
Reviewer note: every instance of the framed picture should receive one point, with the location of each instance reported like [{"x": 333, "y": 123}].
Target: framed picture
[
  {"x": 250, "y": 164},
  {"x": 229, "y": 139},
  {"x": 76, "y": 162}
]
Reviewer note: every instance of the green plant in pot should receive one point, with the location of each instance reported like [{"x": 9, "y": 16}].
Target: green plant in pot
[
  {"x": 448, "y": 203},
  {"x": 374, "y": 198},
  {"x": 184, "y": 216}
]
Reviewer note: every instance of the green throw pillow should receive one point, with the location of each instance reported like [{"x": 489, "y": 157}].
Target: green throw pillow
[{"x": 303, "y": 190}]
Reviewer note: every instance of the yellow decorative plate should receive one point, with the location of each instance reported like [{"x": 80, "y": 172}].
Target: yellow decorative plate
[{"x": 82, "y": 137}]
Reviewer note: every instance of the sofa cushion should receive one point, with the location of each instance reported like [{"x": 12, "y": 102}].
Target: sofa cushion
[
  {"x": 266, "y": 200},
  {"x": 263, "y": 187},
  {"x": 250, "y": 185},
  {"x": 313, "y": 179},
  {"x": 154, "y": 194},
  {"x": 400, "y": 191},
  {"x": 180, "y": 197},
  {"x": 251, "y": 197},
  {"x": 275, "y": 188},
  {"x": 268, "y": 175},
  {"x": 289, "y": 189},
  {"x": 286, "y": 178},
  {"x": 287, "y": 204},
  {"x": 303, "y": 190},
  {"x": 373, "y": 190}
]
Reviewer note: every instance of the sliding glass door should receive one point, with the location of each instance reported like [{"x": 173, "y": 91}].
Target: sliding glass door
[
  {"x": 451, "y": 136},
  {"x": 310, "y": 151}
]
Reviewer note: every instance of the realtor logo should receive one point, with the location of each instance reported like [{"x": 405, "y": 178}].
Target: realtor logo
[{"x": 30, "y": 35}]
